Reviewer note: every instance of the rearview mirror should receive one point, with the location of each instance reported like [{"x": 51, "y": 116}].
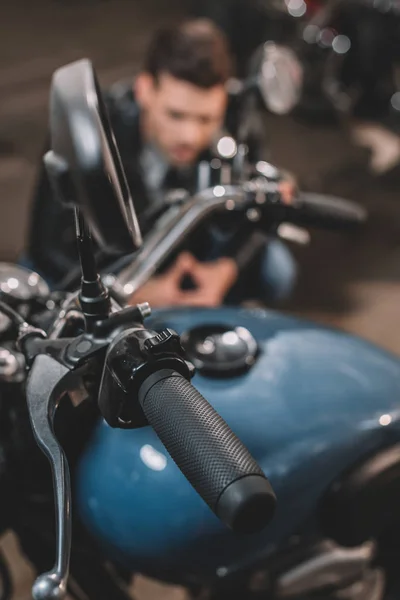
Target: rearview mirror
[
  {"x": 84, "y": 163},
  {"x": 280, "y": 78}
]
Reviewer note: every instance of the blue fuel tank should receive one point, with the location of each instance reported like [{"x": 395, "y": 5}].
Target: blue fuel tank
[{"x": 310, "y": 404}]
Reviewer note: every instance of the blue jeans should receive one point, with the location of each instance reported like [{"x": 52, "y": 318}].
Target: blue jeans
[{"x": 278, "y": 271}]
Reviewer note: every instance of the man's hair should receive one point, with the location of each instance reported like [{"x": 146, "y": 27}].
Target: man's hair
[{"x": 195, "y": 51}]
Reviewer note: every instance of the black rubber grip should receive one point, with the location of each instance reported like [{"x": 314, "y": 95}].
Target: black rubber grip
[
  {"x": 207, "y": 452},
  {"x": 327, "y": 212}
]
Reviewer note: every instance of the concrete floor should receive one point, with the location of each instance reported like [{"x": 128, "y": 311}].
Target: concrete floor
[{"x": 351, "y": 281}]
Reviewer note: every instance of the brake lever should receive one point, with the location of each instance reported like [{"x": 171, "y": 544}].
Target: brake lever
[
  {"x": 49, "y": 379},
  {"x": 46, "y": 383},
  {"x": 56, "y": 369}
]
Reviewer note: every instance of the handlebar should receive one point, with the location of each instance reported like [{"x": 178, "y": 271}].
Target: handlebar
[
  {"x": 261, "y": 194},
  {"x": 169, "y": 232},
  {"x": 207, "y": 452},
  {"x": 327, "y": 212}
]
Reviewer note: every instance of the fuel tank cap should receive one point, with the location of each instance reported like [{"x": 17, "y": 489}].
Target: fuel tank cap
[{"x": 220, "y": 351}]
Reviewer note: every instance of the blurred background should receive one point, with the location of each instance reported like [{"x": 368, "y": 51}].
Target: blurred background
[
  {"x": 343, "y": 141},
  {"x": 350, "y": 281}
]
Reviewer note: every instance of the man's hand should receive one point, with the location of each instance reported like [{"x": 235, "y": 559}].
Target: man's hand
[
  {"x": 287, "y": 189},
  {"x": 212, "y": 280},
  {"x": 165, "y": 290}
]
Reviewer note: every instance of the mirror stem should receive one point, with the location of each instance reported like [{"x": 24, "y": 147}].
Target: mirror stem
[
  {"x": 94, "y": 297},
  {"x": 85, "y": 247}
]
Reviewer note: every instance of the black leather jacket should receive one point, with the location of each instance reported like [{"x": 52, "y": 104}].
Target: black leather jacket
[{"x": 51, "y": 245}]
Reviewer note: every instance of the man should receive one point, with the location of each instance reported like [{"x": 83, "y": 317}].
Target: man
[{"x": 164, "y": 125}]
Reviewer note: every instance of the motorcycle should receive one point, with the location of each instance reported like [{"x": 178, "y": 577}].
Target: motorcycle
[
  {"x": 326, "y": 58},
  {"x": 348, "y": 53},
  {"x": 316, "y": 408}
]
